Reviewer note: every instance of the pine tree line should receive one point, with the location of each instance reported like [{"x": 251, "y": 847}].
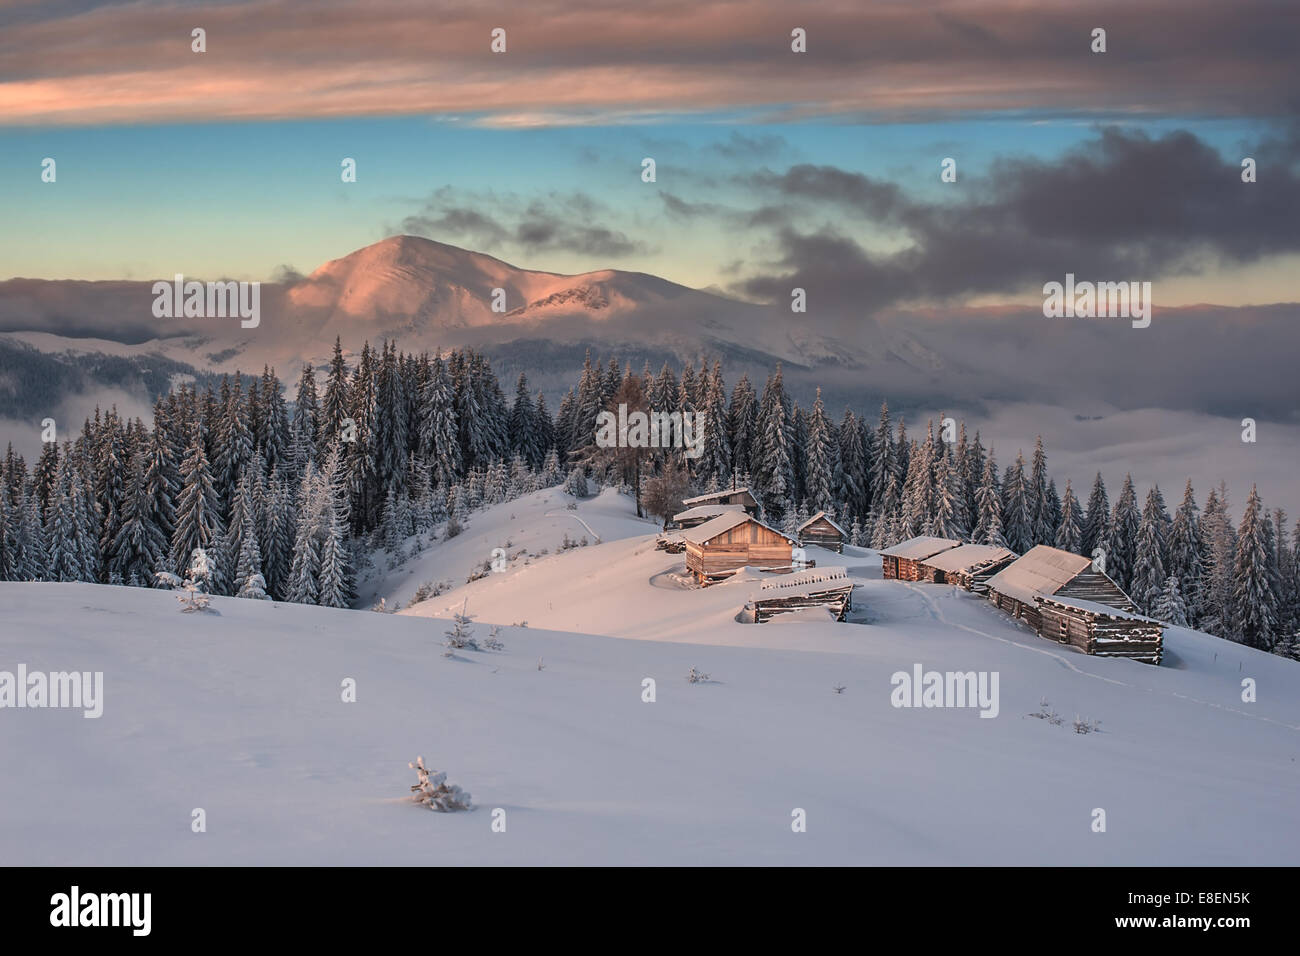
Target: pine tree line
[{"x": 287, "y": 497}]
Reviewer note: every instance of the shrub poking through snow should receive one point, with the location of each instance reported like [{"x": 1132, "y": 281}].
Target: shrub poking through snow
[
  {"x": 1046, "y": 713},
  {"x": 433, "y": 791},
  {"x": 697, "y": 677},
  {"x": 1082, "y": 725},
  {"x": 461, "y": 635},
  {"x": 492, "y": 642}
]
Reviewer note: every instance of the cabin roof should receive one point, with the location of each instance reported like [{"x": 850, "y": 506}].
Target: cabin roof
[
  {"x": 706, "y": 511},
  {"x": 829, "y": 521},
  {"x": 968, "y": 556},
  {"x": 1042, "y": 570},
  {"x": 918, "y": 549},
  {"x": 715, "y": 495},
  {"x": 724, "y": 523},
  {"x": 810, "y": 581},
  {"x": 1094, "y": 608}
]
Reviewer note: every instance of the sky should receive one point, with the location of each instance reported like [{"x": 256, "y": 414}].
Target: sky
[{"x": 773, "y": 167}]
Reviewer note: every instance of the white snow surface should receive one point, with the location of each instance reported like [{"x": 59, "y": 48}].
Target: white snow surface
[{"x": 239, "y": 712}]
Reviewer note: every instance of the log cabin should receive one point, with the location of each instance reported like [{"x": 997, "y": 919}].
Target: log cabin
[
  {"x": 902, "y": 561},
  {"x": 1051, "y": 572},
  {"x": 1099, "y": 629},
  {"x": 830, "y": 588},
  {"x": 821, "y": 531},
  {"x": 701, "y": 513},
  {"x": 969, "y": 566},
  {"x": 735, "y": 496},
  {"x": 732, "y": 541}
]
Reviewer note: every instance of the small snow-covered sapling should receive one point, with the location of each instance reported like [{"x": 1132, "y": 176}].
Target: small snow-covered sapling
[{"x": 433, "y": 791}]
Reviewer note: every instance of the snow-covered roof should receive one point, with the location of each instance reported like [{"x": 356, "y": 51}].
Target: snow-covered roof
[
  {"x": 723, "y": 523},
  {"x": 715, "y": 495},
  {"x": 918, "y": 549},
  {"x": 829, "y": 520},
  {"x": 1042, "y": 570},
  {"x": 1093, "y": 607},
  {"x": 809, "y": 581},
  {"x": 968, "y": 556},
  {"x": 706, "y": 511}
]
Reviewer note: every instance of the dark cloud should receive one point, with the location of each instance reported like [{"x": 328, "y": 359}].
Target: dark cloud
[
  {"x": 555, "y": 222},
  {"x": 1121, "y": 206}
]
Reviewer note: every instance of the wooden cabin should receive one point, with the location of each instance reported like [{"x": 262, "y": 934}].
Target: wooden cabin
[
  {"x": 702, "y": 513},
  {"x": 903, "y": 560},
  {"x": 969, "y": 566},
  {"x": 821, "y": 531},
  {"x": 732, "y": 541},
  {"x": 1099, "y": 629},
  {"x": 736, "y": 496},
  {"x": 822, "y": 587},
  {"x": 1051, "y": 572}
]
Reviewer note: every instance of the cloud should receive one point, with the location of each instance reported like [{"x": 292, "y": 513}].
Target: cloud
[
  {"x": 581, "y": 61},
  {"x": 568, "y": 222},
  {"x": 1120, "y": 206}
]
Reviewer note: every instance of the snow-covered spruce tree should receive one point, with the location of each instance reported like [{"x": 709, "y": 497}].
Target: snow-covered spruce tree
[
  {"x": 303, "y": 585},
  {"x": 249, "y": 580},
  {"x": 1254, "y": 607},
  {"x": 461, "y": 635},
  {"x": 1149, "y": 573},
  {"x": 944, "y": 521},
  {"x": 576, "y": 484},
  {"x": 1218, "y": 557},
  {"x": 850, "y": 483},
  {"x": 1096, "y": 520},
  {"x": 1017, "y": 521},
  {"x": 305, "y": 424},
  {"x": 988, "y": 507},
  {"x": 198, "y": 512},
  {"x": 1170, "y": 607},
  {"x": 139, "y": 548},
  {"x": 714, "y": 463},
  {"x": 774, "y": 469},
  {"x": 1069, "y": 533},
  {"x": 1184, "y": 550},
  {"x": 196, "y": 588},
  {"x": 881, "y": 467},
  {"x": 1042, "y": 527},
  {"x": 822, "y": 461},
  {"x": 551, "y": 474},
  {"x": 1121, "y": 537},
  {"x": 433, "y": 791},
  {"x": 742, "y": 424},
  {"x": 333, "y": 589}
]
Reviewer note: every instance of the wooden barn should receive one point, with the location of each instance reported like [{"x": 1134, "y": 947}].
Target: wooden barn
[
  {"x": 702, "y": 513},
  {"x": 969, "y": 566},
  {"x": 821, "y": 587},
  {"x": 1051, "y": 572},
  {"x": 903, "y": 560},
  {"x": 732, "y": 541},
  {"x": 1099, "y": 629},
  {"x": 821, "y": 531},
  {"x": 736, "y": 496}
]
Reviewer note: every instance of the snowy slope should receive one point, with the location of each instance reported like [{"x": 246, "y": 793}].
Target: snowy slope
[
  {"x": 240, "y": 713},
  {"x": 526, "y": 529}
]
